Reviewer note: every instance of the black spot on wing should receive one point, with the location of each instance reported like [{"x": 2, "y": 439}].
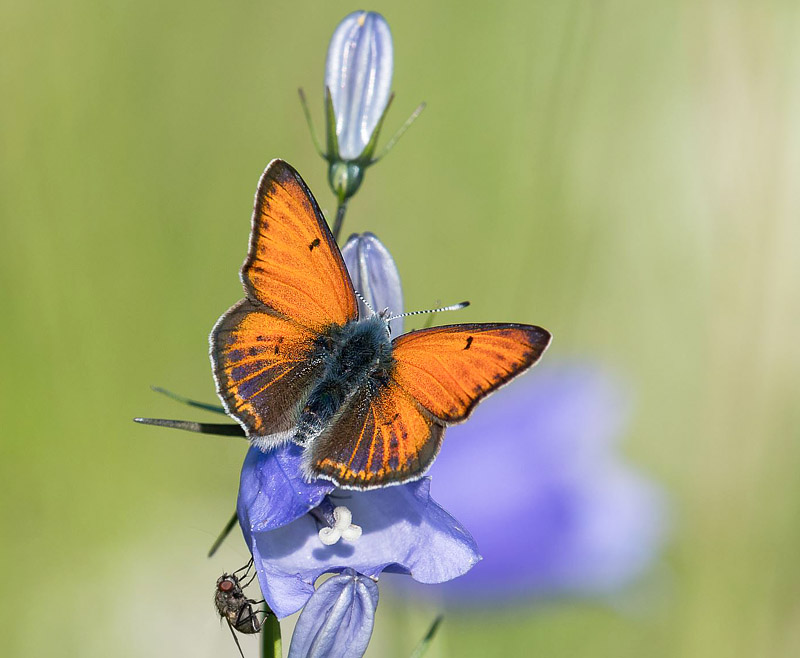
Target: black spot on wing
[
  {"x": 388, "y": 423},
  {"x": 314, "y": 243},
  {"x": 469, "y": 343}
]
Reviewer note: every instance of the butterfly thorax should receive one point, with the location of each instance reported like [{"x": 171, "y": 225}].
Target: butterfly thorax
[{"x": 353, "y": 355}]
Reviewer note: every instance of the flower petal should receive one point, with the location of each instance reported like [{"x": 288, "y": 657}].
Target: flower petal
[
  {"x": 358, "y": 72},
  {"x": 272, "y": 491},
  {"x": 375, "y": 276},
  {"x": 403, "y": 531},
  {"x": 338, "y": 619},
  {"x": 570, "y": 514}
]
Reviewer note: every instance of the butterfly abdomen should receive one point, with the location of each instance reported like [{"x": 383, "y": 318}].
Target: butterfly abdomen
[{"x": 352, "y": 354}]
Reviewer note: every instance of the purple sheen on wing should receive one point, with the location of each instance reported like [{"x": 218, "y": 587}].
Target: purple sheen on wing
[
  {"x": 404, "y": 531},
  {"x": 535, "y": 476},
  {"x": 338, "y": 618},
  {"x": 374, "y": 275}
]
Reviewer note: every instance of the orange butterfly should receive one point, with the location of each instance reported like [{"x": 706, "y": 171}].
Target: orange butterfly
[{"x": 294, "y": 362}]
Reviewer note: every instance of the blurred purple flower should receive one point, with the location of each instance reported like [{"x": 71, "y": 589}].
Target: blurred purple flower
[
  {"x": 338, "y": 619},
  {"x": 553, "y": 506},
  {"x": 358, "y": 75},
  {"x": 296, "y": 534}
]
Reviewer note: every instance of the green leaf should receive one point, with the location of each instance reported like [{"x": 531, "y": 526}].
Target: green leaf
[
  {"x": 221, "y": 429},
  {"x": 222, "y": 535},
  {"x": 425, "y": 643},
  {"x": 192, "y": 403}
]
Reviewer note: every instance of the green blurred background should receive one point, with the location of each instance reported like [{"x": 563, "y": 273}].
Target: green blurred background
[{"x": 623, "y": 173}]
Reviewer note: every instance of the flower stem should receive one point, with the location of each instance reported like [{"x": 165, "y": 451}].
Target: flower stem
[
  {"x": 271, "y": 637},
  {"x": 337, "y": 226}
]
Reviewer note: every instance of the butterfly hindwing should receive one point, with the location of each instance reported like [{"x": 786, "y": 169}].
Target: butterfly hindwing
[
  {"x": 382, "y": 437},
  {"x": 449, "y": 369},
  {"x": 277, "y": 355},
  {"x": 293, "y": 265},
  {"x": 264, "y": 367}
]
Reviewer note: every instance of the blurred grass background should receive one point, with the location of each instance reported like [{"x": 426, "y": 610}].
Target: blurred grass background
[{"x": 623, "y": 173}]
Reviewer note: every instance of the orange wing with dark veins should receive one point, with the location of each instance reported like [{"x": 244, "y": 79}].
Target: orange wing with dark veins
[
  {"x": 293, "y": 265},
  {"x": 449, "y": 369},
  {"x": 263, "y": 370},
  {"x": 382, "y": 437}
]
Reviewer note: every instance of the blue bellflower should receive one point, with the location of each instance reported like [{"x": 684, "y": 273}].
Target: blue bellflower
[
  {"x": 358, "y": 92},
  {"x": 298, "y": 530},
  {"x": 571, "y": 516},
  {"x": 358, "y": 77},
  {"x": 375, "y": 276},
  {"x": 358, "y": 84},
  {"x": 338, "y": 619}
]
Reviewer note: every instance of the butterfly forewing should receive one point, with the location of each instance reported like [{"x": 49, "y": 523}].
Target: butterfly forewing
[
  {"x": 382, "y": 437},
  {"x": 291, "y": 343},
  {"x": 449, "y": 369},
  {"x": 293, "y": 264},
  {"x": 263, "y": 367}
]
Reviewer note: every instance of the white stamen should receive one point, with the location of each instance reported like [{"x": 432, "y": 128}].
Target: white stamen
[
  {"x": 343, "y": 528},
  {"x": 329, "y": 536},
  {"x": 352, "y": 532},
  {"x": 342, "y": 516}
]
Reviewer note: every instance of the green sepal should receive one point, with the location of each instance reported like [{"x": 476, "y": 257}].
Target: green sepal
[
  {"x": 369, "y": 149},
  {"x": 307, "y": 112},
  {"x": 400, "y": 132},
  {"x": 345, "y": 177},
  {"x": 330, "y": 120}
]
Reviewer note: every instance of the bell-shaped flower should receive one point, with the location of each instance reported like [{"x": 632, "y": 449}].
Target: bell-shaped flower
[
  {"x": 358, "y": 80},
  {"x": 358, "y": 92},
  {"x": 297, "y": 530},
  {"x": 338, "y": 619},
  {"x": 572, "y": 516}
]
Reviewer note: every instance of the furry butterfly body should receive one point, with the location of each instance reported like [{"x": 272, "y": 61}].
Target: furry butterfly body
[{"x": 294, "y": 362}]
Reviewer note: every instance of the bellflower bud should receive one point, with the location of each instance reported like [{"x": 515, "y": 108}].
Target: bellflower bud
[
  {"x": 358, "y": 80},
  {"x": 338, "y": 619},
  {"x": 375, "y": 276}
]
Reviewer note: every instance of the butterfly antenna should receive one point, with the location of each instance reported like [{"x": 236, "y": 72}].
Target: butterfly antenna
[
  {"x": 453, "y": 307},
  {"x": 366, "y": 303}
]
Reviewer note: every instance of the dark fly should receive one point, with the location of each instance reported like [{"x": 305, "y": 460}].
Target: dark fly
[{"x": 234, "y": 606}]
